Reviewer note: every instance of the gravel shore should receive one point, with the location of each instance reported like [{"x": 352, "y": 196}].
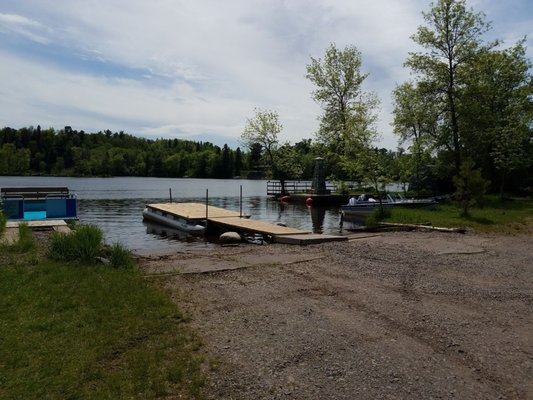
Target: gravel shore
[{"x": 391, "y": 316}]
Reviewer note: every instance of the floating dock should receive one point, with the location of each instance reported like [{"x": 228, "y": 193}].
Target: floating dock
[{"x": 235, "y": 221}]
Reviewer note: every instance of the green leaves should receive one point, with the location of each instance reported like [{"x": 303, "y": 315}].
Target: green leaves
[{"x": 347, "y": 126}]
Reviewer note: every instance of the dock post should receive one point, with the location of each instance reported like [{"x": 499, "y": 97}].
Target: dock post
[
  {"x": 170, "y": 193},
  {"x": 240, "y": 204},
  {"x": 206, "y": 207}
]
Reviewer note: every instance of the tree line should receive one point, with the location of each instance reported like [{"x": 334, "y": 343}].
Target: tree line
[{"x": 68, "y": 152}]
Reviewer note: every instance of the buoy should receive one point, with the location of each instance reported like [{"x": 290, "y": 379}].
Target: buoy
[
  {"x": 309, "y": 201},
  {"x": 286, "y": 199}
]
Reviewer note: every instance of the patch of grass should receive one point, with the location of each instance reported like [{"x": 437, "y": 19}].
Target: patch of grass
[
  {"x": 120, "y": 256},
  {"x": 72, "y": 332},
  {"x": 504, "y": 216},
  {"x": 84, "y": 244},
  {"x": 25, "y": 241},
  {"x": 377, "y": 216},
  {"x": 3, "y": 221}
]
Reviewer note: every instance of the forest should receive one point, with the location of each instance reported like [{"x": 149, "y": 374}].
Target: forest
[{"x": 68, "y": 152}]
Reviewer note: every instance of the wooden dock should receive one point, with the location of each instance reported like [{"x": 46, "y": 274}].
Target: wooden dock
[
  {"x": 195, "y": 211},
  {"x": 232, "y": 220}
]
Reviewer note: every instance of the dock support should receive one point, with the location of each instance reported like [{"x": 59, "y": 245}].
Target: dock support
[
  {"x": 206, "y": 207},
  {"x": 170, "y": 193},
  {"x": 240, "y": 204}
]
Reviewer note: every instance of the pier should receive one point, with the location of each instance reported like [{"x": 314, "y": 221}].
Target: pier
[{"x": 235, "y": 221}]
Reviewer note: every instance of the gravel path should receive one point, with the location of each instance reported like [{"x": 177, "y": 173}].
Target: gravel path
[{"x": 393, "y": 316}]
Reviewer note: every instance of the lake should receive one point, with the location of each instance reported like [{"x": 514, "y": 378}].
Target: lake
[{"x": 116, "y": 205}]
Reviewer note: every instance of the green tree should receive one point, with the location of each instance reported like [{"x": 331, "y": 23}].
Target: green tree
[
  {"x": 452, "y": 40},
  {"x": 263, "y": 129},
  {"x": 470, "y": 186},
  {"x": 348, "y": 111},
  {"x": 500, "y": 112},
  {"x": 415, "y": 122}
]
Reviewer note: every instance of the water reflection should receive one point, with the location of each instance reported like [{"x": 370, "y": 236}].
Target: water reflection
[
  {"x": 121, "y": 220},
  {"x": 317, "y": 217}
]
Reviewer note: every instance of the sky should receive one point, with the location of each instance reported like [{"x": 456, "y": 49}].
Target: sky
[{"x": 197, "y": 69}]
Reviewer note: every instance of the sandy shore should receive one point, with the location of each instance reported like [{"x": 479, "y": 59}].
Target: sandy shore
[{"x": 388, "y": 316}]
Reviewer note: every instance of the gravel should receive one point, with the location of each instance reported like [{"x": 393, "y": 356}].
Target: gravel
[{"x": 394, "y": 316}]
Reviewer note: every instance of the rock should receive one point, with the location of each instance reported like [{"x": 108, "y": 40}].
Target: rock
[
  {"x": 103, "y": 260},
  {"x": 230, "y": 237}
]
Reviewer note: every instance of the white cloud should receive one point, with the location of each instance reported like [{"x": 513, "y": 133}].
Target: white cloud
[
  {"x": 202, "y": 66},
  {"x": 20, "y": 25}
]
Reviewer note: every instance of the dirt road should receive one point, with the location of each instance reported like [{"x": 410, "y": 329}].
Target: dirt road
[{"x": 392, "y": 316}]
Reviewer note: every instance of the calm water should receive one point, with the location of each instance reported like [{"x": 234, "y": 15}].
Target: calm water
[{"x": 116, "y": 204}]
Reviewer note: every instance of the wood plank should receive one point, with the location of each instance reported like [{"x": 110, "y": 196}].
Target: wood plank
[
  {"x": 37, "y": 224},
  {"x": 254, "y": 226},
  {"x": 194, "y": 211}
]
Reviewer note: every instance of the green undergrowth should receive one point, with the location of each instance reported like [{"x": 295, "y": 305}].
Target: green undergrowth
[
  {"x": 514, "y": 215},
  {"x": 3, "y": 221},
  {"x": 85, "y": 244},
  {"x": 76, "y": 331}
]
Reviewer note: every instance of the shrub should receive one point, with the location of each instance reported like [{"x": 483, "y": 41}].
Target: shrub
[
  {"x": 120, "y": 256},
  {"x": 25, "y": 241},
  {"x": 470, "y": 187},
  {"x": 378, "y": 215},
  {"x": 84, "y": 244},
  {"x": 3, "y": 221}
]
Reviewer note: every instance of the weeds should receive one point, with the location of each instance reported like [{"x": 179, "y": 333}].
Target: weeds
[
  {"x": 120, "y": 256},
  {"x": 25, "y": 241},
  {"x": 3, "y": 221},
  {"x": 378, "y": 215},
  {"x": 83, "y": 245},
  {"x": 507, "y": 216}
]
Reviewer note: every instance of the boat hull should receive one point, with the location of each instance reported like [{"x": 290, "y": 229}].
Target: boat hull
[
  {"x": 173, "y": 221},
  {"x": 366, "y": 208}
]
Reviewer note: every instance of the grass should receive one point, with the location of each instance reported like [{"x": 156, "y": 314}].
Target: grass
[
  {"x": 3, "y": 221},
  {"x": 73, "y": 331},
  {"x": 119, "y": 256},
  {"x": 85, "y": 243},
  {"x": 509, "y": 216}
]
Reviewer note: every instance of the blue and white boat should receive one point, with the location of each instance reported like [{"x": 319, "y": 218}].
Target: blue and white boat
[{"x": 363, "y": 205}]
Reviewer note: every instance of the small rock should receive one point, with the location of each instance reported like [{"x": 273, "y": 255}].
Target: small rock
[
  {"x": 230, "y": 237},
  {"x": 103, "y": 260}
]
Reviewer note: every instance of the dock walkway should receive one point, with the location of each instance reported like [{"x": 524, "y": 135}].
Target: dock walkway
[{"x": 233, "y": 220}]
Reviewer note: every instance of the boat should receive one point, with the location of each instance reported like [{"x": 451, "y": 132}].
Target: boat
[
  {"x": 38, "y": 203},
  {"x": 364, "y": 205},
  {"x": 173, "y": 221}
]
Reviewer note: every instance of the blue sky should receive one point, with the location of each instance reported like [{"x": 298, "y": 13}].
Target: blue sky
[{"x": 197, "y": 69}]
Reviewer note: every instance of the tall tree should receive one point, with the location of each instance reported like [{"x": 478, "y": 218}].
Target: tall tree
[
  {"x": 263, "y": 129},
  {"x": 500, "y": 112},
  {"x": 347, "y": 126},
  {"x": 452, "y": 41},
  {"x": 416, "y": 119}
]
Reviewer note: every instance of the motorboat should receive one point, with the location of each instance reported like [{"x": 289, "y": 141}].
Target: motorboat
[
  {"x": 364, "y": 205},
  {"x": 173, "y": 221}
]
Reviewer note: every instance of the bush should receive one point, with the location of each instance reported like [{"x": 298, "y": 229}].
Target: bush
[
  {"x": 3, "y": 221},
  {"x": 378, "y": 215},
  {"x": 84, "y": 244},
  {"x": 120, "y": 257},
  {"x": 25, "y": 241}
]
